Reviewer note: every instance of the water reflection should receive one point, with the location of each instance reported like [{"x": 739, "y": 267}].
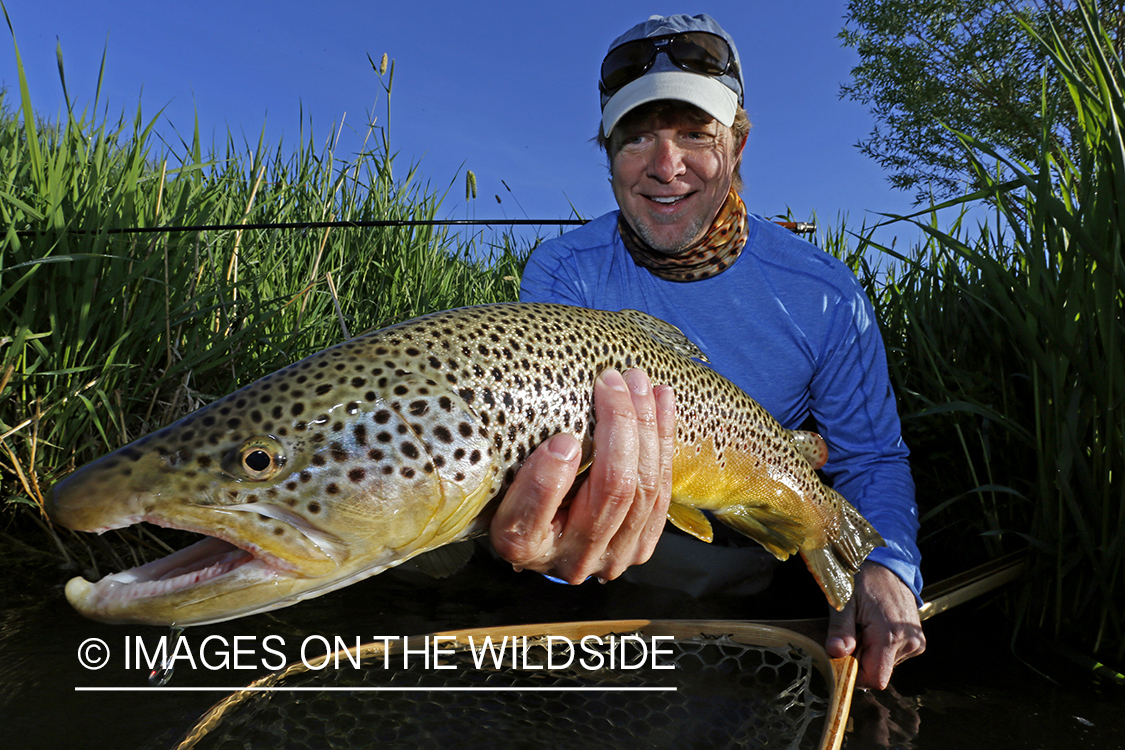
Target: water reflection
[
  {"x": 883, "y": 719},
  {"x": 967, "y": 690}
]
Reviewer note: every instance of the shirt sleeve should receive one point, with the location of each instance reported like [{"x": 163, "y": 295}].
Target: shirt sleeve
[
  {"x": 550, "y": 277},
  {"x": 853, "y": 402}
]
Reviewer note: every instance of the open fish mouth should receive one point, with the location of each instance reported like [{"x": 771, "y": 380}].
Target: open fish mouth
[
  {"x": 203, "y": 561},
  {"x": 189, "y": 575}
]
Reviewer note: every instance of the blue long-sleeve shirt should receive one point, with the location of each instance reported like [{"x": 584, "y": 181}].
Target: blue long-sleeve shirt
[{"x": 791, "y": 326}]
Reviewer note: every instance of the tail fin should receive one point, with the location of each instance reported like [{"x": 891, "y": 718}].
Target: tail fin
[{"x": 834, "y": 566}]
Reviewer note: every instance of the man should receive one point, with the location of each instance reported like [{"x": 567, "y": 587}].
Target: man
[{"x": 787, "y": 323}]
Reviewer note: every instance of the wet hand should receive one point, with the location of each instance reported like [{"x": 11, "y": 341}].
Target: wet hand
[
  {"x": 880, "y": 624},
  {"x": 617, "y": 514}
]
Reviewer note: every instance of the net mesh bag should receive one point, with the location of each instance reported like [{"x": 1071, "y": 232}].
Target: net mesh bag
[{"x": 617, "y": 690}]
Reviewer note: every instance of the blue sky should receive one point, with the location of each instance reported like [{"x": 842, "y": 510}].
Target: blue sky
[{"x": 506, "y": 90}]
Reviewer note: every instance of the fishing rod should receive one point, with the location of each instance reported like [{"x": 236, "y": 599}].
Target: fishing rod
[
  {"x": 321, "y": 225},
  {"x": 797, "y": 227}
]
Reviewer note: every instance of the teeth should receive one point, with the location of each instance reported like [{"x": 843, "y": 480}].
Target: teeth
[{"x": 666, "y": 199}]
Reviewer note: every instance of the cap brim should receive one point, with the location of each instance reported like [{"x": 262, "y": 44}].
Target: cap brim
[{"x": 708, "y": 94}]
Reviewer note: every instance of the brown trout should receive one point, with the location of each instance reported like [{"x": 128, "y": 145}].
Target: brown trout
[{"x": 391, "y": 444}]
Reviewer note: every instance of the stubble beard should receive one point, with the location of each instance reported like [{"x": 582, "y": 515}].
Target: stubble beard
[{"x": 692, "y": 233}]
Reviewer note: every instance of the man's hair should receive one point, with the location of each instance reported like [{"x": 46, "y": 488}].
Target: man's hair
[{"x": 740, "y": 128}]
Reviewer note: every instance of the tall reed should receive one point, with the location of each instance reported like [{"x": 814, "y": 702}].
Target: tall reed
[
  {"x": 108, "y": 336},
  {"x": 1008, "y": 346}
]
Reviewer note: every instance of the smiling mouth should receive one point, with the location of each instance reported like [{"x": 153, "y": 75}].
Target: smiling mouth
[{"x": 667, "y": 200}]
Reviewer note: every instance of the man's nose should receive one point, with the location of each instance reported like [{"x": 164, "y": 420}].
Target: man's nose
[{"x": 667, "y": 162}]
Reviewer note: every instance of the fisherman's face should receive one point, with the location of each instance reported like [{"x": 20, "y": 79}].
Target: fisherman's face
[{"x": 671, "y": 173}]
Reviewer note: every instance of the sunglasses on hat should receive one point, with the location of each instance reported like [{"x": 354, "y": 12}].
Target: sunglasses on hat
[{"x": 694, "y": 51}]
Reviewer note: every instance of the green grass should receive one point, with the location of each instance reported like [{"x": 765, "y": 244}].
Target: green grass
[
  {"x": 108, "y": 336},
  {"x": 1006, "y": 344}
]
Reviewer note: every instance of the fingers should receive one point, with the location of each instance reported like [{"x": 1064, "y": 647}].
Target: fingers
[
  {"x": 617, "y": 515},
  {"x": 841, "y": 631},
  {"x": 528, "y": 519},
  {"x": 627, "y": 495},
  {"x": 880, "y": 625}
]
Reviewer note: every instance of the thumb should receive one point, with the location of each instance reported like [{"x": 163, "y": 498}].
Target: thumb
[{"x": 841, "y": 631}]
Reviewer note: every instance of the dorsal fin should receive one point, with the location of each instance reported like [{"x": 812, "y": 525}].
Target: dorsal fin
[
  {"x": 665, "y": 333},
  {"x": 811, "y": 446}
]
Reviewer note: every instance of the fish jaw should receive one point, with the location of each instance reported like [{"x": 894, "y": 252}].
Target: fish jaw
[{"x": 236, "y": 570}]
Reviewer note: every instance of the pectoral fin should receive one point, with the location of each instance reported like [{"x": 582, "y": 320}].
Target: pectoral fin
[{"x": 444, "y": 561}]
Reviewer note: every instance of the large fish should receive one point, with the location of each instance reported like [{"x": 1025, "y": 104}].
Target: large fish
[{"x": 376, "y": 450}]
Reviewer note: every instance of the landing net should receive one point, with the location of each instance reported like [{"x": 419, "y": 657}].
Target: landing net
[{"x": 660, "y": 685}]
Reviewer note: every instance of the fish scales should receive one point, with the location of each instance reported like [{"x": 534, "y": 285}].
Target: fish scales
[{"x": 392, "y": 443}]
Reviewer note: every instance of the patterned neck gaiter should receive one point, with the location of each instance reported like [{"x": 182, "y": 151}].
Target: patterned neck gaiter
[{"x": 715, "y": 251}]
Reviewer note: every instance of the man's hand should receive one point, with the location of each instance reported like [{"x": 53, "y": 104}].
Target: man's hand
[
  {"x": 617, "y": 515},
  {"x": 882, "y": 619}
]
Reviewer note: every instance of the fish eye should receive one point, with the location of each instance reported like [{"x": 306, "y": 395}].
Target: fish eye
[
  {"x": 257, "y": 460},
  {"x": 260, "y": 458}
]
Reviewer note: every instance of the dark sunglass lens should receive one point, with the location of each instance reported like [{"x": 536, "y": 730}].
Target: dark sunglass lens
[
  {"x": 702, "y": 53},
  {"x": 625, "y": 63}
]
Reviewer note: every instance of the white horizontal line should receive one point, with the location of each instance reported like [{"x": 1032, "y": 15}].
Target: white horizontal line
[{"x": 277, "y": 689}]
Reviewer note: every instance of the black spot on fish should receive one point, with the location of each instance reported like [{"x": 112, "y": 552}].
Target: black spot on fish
[
  {"x": 409, "y": 450},
  {"x": 441, "y": 432},
  {"x": 323, "y": 389},
  {"x": 313, "y": 506},
  {"x": 332, "y": 488},
  {"x": 357, "y": 475},
  {"x": 465, "y": 429},
  {"x": 382, "y": 416}
]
